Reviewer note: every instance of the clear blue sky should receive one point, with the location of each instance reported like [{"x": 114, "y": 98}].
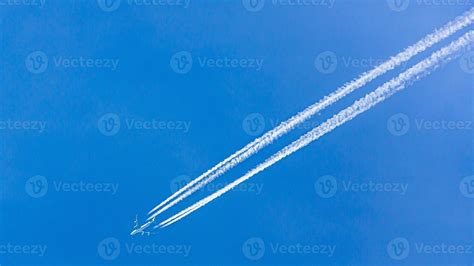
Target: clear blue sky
[{"x": 253, "y": 65}]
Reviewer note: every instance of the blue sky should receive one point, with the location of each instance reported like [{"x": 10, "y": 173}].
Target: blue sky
[{"x": 254, "y": 64}]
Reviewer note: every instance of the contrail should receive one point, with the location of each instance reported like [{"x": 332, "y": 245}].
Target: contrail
[
  {"x": 383, "y": 92},
  {"x": 263, "y": 141}
]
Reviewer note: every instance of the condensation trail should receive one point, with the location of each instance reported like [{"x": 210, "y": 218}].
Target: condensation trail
[
  {"x": 380, "y": 94},
  {"x": 447, "y": 30}
]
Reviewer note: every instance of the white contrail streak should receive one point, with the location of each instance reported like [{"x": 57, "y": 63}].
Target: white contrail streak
[
  {"x": 447, "y": 30},
  {"x": 380, "y": 94}
]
